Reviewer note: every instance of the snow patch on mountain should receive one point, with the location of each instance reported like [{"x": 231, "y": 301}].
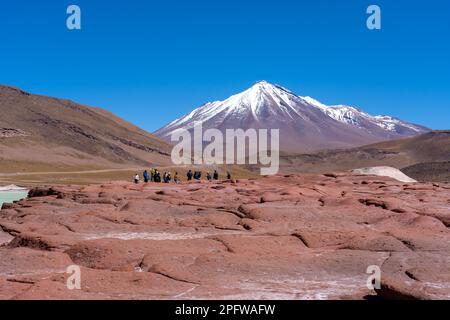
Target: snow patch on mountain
[
  {"x": 354, "y": 116},
  {"x": 253, "y": 99}
]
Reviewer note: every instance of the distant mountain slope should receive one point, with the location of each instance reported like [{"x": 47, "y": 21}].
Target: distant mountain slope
[
  {"x": 305, "y": 124},
  {"x": 429, "y": 147},
  {"x": 38, "y": 132},
  {"x": 429, "y": 171}
]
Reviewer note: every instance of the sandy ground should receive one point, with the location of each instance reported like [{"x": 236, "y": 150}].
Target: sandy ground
[{"x": 92, "y": 176}]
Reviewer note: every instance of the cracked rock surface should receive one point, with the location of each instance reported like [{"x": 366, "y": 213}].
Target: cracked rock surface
[{"x": 283, "y": 237}]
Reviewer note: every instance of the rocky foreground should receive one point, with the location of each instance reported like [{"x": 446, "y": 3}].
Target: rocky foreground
[{"x": 283, "y": 237}]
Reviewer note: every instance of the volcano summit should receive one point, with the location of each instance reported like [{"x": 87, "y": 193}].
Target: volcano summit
[{"x": 305, "y": 124}]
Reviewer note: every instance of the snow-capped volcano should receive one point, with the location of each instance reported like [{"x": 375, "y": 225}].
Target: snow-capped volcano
[{"x": 305, "y": 124}]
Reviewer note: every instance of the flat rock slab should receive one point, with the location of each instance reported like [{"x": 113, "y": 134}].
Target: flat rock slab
[{"x": 282, "y": 237}]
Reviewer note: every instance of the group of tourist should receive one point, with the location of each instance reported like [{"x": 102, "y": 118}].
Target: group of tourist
[{"x": 153, "y": 175}]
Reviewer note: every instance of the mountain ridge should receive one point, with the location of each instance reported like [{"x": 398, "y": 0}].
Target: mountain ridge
[
  {"x": 43, "y": 132},
  {"x": 305, "y": 124}
]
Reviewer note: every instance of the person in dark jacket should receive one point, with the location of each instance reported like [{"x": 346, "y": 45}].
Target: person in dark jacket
[
  {"x": 157, "y": 177},
  {"x": 189, "y": 175},
  {"x": 197, "y": 175},
  {"x": 228, "y": 175},
  {"x": 146, "y": 176},
  {"x": 208, "y": 176},
  {"x": 216, "y": 175}
]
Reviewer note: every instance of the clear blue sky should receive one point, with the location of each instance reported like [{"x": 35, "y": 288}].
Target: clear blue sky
[{"x": 152, "y": 61}]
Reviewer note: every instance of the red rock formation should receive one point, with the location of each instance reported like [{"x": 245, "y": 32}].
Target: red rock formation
[{"x": 283, "y": 237}]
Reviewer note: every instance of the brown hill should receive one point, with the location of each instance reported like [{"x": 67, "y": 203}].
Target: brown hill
[
  {"x": 429, "y": 171},
  {"x": 39, "y": 133},
  {"x": 430, "y": 147}
]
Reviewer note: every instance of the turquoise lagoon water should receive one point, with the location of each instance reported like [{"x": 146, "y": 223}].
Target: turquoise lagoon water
[{"x": 10, "y": 196}]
